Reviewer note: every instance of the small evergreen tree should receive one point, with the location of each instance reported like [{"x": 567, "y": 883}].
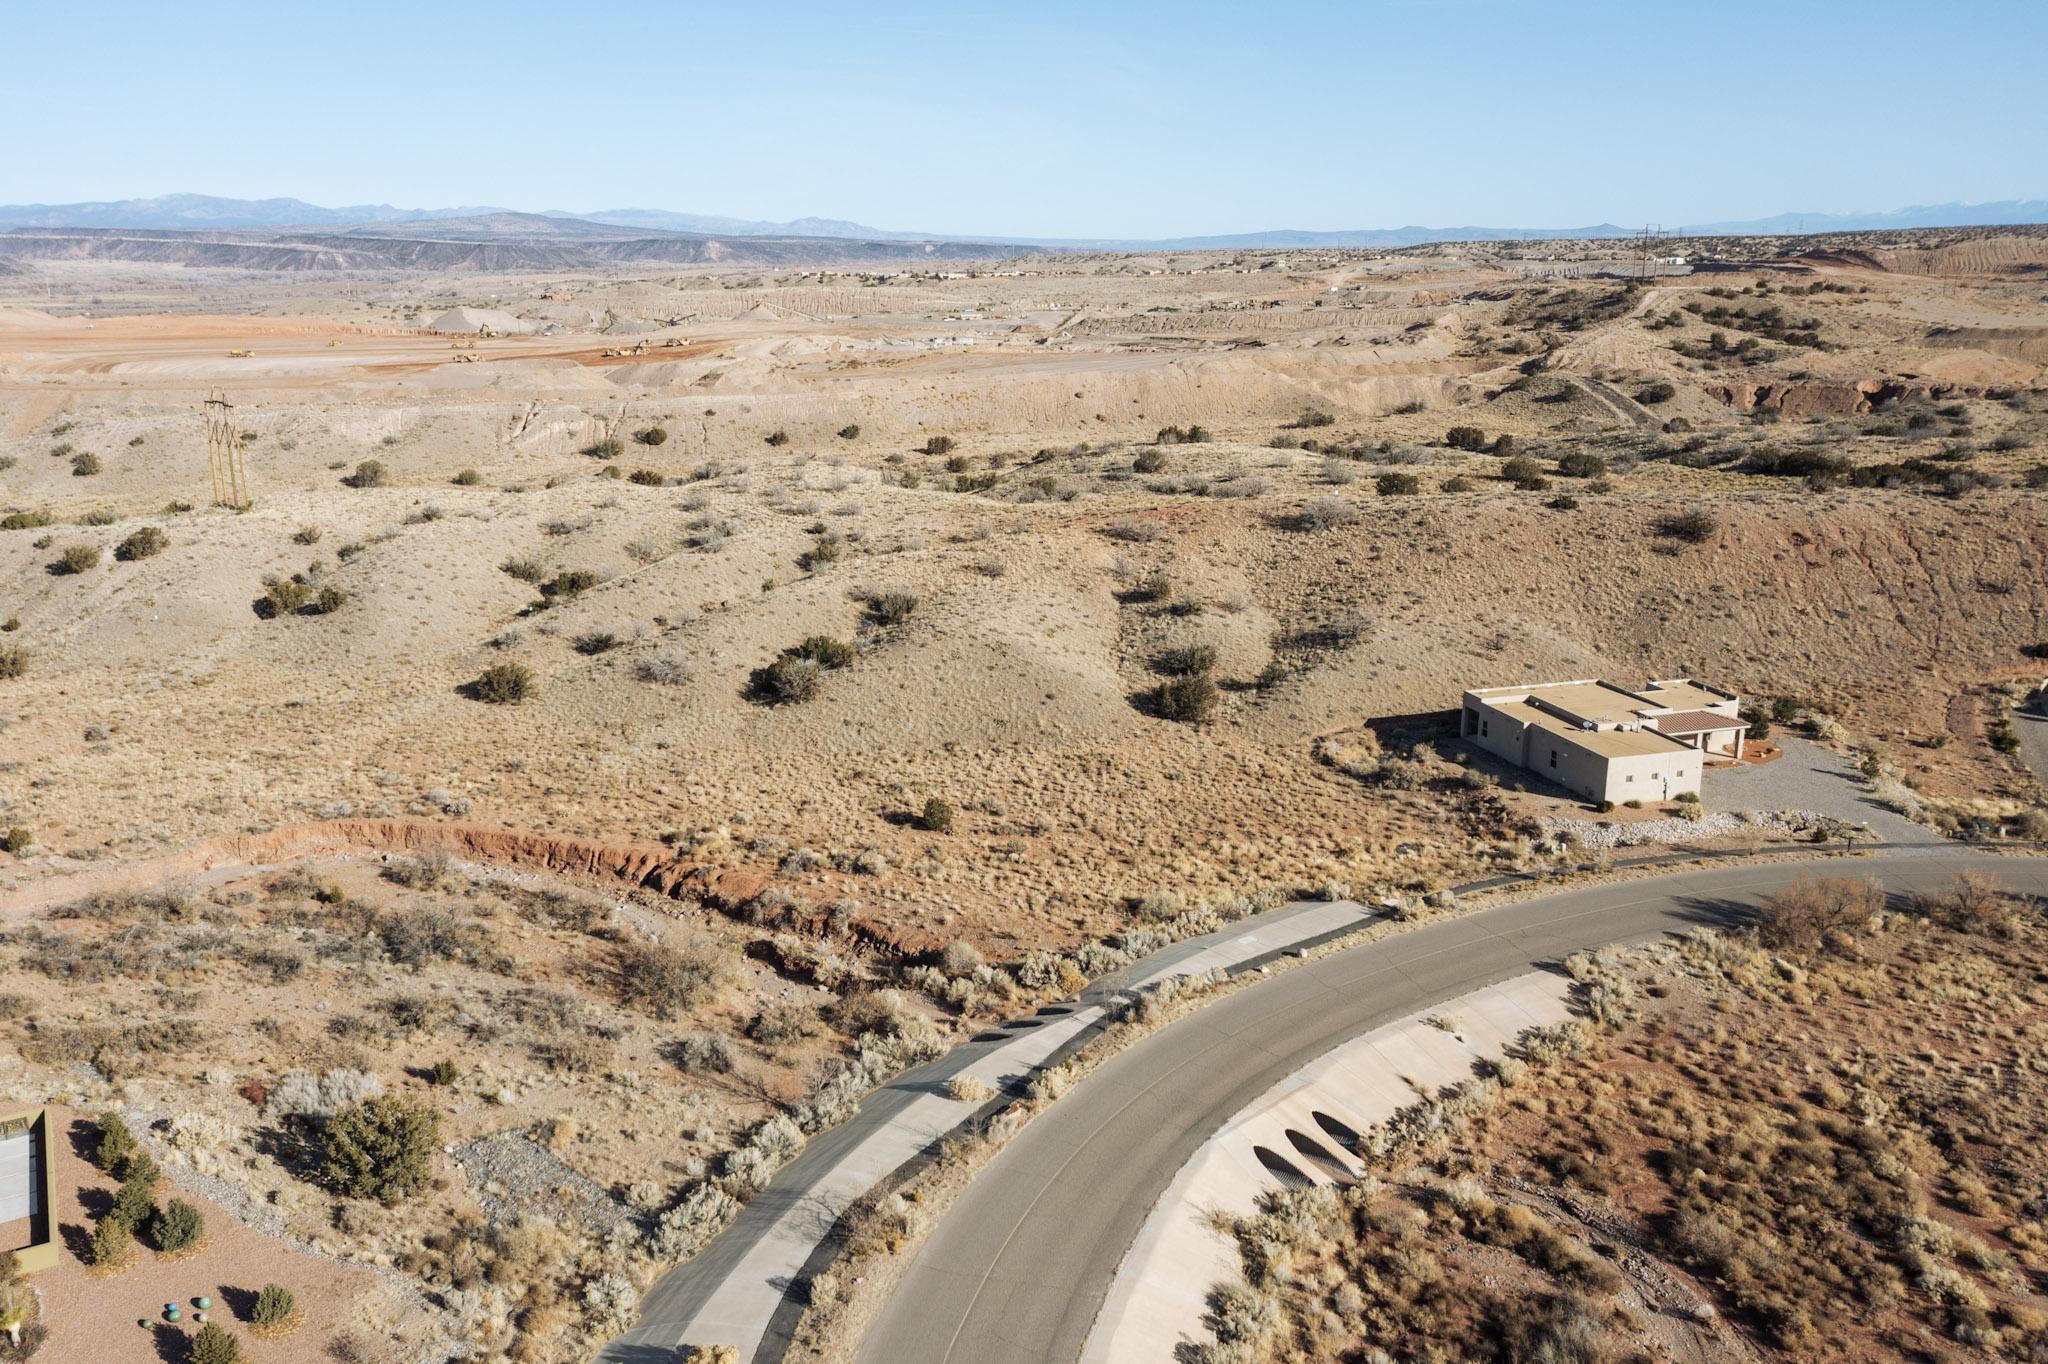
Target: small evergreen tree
[
  {"x": 111, "y": 1241},
  {"x": 215, "y": 1345},
  {"x": 380, "y": 1148},
  {"x": 176, "y": 1226},
  {"x": 113, "y": 1142},
  {"x": 135, "y": 1200},
  {"x": 274, "y": 1304}
]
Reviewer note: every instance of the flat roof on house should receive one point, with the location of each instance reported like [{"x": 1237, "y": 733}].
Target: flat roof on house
[
  {"x": 1624, "y": 743},
  {"x": 1682, "y": 694},
  {"x": 1600, "y": 702},
  {"x": 1696, "y": 722},
  {"x": 1607, "y": 743}
]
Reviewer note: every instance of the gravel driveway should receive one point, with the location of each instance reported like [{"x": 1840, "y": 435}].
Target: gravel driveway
[{"x": 1808, "y": 777}]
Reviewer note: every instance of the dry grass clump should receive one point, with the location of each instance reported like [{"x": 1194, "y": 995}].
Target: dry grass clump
[
  {"x": 667, "y": 981},
  {"x": 504, "y": 684},
  {"x": 1826, "y": 1123},
  {"x": 1326, "y": 513},
  {"x": 799, "y": 673},
  {"x": 142, "y": 544},
  {"x": 664, "y": 667},
  {"x": 1804, "y": 916},
  {"x": 1693, "y": 527},
  {"x": 891, "y": 608},
  {"x": 1408, "y": 1272}
]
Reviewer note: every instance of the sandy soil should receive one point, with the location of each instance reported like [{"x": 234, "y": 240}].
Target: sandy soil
[
  {"x": 118, "y": 1318},
  {"x": 786, "y": 465}
]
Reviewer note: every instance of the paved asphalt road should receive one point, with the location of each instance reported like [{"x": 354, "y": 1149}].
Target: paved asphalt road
[
  {"x": 674, "y": 1305},
  {"x": 2032, "y": 728},
  {"x": 1017, "y": 1270}
]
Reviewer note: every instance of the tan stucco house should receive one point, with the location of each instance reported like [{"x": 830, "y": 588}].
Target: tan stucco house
[{"x": 1607, "y": 742}]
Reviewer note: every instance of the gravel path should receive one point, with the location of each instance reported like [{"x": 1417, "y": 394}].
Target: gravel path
[
  {"x": 514, "y": 1176},
  {"x": 1594, "y": 833},
  {"x": 1808, "y": 777},
  {"x": 1786, "y": 797}
]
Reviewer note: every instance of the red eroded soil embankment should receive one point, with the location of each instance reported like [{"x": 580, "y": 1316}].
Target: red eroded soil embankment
[{"x": 645, "y": 866}]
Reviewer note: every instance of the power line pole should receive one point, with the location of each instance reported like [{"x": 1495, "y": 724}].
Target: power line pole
[
  {"x": 224, "y": 454},
  {"x": 1649, "y": 237}
]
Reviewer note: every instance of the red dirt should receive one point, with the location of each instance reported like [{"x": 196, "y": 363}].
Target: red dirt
[{"x": 643, "y": 865}]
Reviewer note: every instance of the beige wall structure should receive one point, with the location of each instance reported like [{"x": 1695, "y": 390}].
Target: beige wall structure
[
  {"x": 28, "y": 1189},
  {"x": 1606, "y": 742}
]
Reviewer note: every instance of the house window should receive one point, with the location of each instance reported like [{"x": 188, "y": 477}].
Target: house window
[
  {"x": 1553, "y": 757},
  {"x": 1484, "y": 726},
  {"x": 1630, "y": 777}
]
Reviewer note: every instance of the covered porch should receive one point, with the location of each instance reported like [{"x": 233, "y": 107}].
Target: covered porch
[{"x": 1714, "y": 734}]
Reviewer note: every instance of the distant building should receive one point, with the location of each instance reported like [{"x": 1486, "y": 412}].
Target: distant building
[{"x": 1607, "y": 742}]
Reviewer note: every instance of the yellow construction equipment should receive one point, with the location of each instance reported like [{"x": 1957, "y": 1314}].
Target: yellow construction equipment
[
  {"x": 468, "y": 357},
  {"x": 240, "y": 354},
  {"x": 469, "y": 344}
]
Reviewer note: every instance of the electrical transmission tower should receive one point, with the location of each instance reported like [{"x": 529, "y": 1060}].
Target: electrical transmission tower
[
  {"x": 224, "y": 454},
  {"x": 1649, "y": 239}
]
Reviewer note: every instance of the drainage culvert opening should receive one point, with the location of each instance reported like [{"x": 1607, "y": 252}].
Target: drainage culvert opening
[
  {"x": 1282, "y": 1169},
  {"x": 1346, "y": 1135},
  {"x": 1319, "y": 1156}
]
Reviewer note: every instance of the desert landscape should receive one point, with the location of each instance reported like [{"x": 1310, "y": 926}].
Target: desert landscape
[
  {"x": 661, "y": 687},
  {"x": 1701, "y": 1141}
]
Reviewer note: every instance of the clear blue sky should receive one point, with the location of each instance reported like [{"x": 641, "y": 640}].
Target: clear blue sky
[{"x": 1040, "y": 118}]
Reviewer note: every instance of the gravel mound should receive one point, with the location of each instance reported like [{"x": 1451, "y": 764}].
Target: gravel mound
[
  {"x": 476, "y": 319},
  {"x": 1658, "y": 832}
]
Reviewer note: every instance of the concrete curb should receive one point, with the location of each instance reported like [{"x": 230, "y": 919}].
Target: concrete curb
[
  {"x": 1162, "y": 1284},
  {"x": 744, "y": 1287}
]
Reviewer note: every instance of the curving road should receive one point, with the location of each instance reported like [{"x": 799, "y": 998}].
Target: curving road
[
  {"x": 1017, "y": 1270},
  {"x": 2031, "y": 725}
]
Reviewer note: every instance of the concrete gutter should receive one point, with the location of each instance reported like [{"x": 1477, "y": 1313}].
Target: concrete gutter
[
  {"x": 743, "y": 1288},
  {"x": 737, "y": 1291},
  {"x": 1162, "y": 1285}
]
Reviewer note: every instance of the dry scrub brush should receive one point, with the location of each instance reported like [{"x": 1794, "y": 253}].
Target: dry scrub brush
[{"x": 1824, "y": 1121}]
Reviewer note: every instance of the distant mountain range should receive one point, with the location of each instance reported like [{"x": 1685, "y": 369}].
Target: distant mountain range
[
  {"x": 715, "y": 225},
  {"x": 2007, "y": 212},
  {"x": 201, "y": 211},
  {"x": 205, "y": 212}
]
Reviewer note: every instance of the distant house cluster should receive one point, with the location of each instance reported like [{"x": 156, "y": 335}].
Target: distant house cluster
[{"x": 1608, "y": 742}]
